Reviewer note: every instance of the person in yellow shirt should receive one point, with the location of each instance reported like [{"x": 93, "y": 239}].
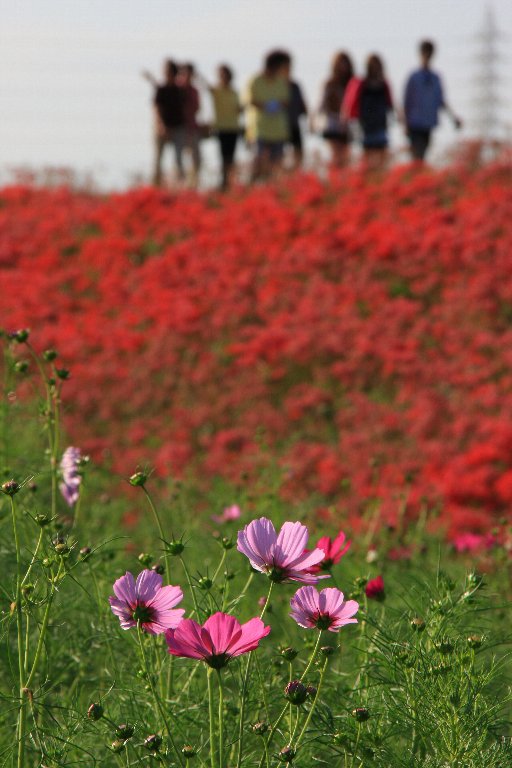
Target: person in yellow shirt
[
  {"x": 267, "y": 113},
  {"x": 226, "y": 109}
]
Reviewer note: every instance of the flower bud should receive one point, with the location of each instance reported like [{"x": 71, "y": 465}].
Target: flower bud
[
  {"x": 417, "y": 624},
  {"x": 158, "y": 568},
  {"x": 444, "y": 645},
  {"x": 21, "y": 335},
  {"x": 260, "y": 729},
  {"x": 475, "y": 641},
  {"x": 312, "y": 691},
  {"x": 327, "y": 650},
  {"x": 188, "y": 752},
  {"x": 205, "y": 583},
  {"x": 296, "y": 692},
  {"x": 138, "y": 479},
  {"x": 227, "y": 543},
  {"x": 125, "y": 731},
  {"x": 85, "y": 553},
  {"x": 286, "y": 755},
  {"x": 229, "y": 575},
  {"x": 42, "y": 519},
  {"x": 49, "y": 355},
  {"x": 288, "y": 653},
  {"x": 10, "y": 488},
  {"x": 361, "y": 714},
  {"x": 21, "y": 366},
  {"x": 145, "y": 559},
  {"x": 153, "y": 742},
  {"x": 95, "y": 711},
  {"x": 117, "y": 746},
  {"x": 175, "y": 547},
  {"x": 62, "y": 373},
  {"x": 61, "y": 548}
]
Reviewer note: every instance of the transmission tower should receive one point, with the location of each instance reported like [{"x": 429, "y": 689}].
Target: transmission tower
[{"x": 488, "y": 121}]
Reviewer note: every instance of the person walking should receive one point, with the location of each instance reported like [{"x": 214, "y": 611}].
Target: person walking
[
  {"x": 226, "y": 109},
  {"x": 423, "y": 99},
  {"x": 168, "y": 105},
  {"x": 335, "y": 129},
  {"x": 191, "y": 107},
  {"x": 267, "y": 114},
  {"x": 369, "y": 100},
  {"x": 296, "y": 110}
]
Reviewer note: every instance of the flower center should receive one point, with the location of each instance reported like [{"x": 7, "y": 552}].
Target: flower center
[
  {"x": 327, "y": 564},
  {"x": 217, "y": 661},
  {"x": 323, "y": 621},
  {"x": 143, "y": 613},
  {"x": 276, "y": 574}
]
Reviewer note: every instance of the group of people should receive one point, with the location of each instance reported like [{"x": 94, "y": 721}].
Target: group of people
[{"x": 274, "y": 107}]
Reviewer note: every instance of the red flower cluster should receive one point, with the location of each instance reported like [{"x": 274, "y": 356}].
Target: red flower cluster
[{"x": 358, "y": 333}]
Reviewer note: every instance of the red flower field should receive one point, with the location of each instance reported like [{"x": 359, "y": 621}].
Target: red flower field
[{"x": 358, "y": 333}]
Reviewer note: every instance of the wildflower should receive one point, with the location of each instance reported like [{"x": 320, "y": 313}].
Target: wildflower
[
  {"x": 375, "y": 589},
  {"x": 334, "y": 550},
  {"x": 327, "y": 609},
  {"x": 230, "y": 513},
  {"x": 71, "y": 478},
  {"x": 217, "y": 641},
  {"x": 147, "y": 602},
  {"x": 282, "y": 557}
]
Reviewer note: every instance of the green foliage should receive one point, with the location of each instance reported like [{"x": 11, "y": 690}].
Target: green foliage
[{"x": 424, "y": 679}]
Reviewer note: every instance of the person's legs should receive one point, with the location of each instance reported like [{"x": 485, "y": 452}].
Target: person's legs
[
  {"x": 193, "y": 143},
  {"x": 419, "y": 141},
  {"x": 157, "y": 168},
  {"x": 178, "y": 138},
  {"x": 227, "y": 143}
]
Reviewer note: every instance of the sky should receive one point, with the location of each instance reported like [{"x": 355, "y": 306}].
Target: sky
[{"x": 71, "y": 93}]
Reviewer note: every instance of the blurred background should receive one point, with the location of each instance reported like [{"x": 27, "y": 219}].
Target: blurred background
[{"x": 71, "y": 92}]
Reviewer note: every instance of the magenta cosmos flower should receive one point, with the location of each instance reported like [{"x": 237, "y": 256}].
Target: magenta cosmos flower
[
  {"x": 327, "y": 609},
  {"x": 217, "y": 641},
  {"x": 230, "y": 513},
  {"x": 145, "y": 600},
  {"x": 282, "y": 557},
  {"x": 334, "y": 549}
]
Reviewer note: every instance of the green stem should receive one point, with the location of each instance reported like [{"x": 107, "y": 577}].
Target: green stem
[
  {"x": 285, "y": 708},
  {"x": 354, "y": 754},
  {"x": 310, "y": 714},
  {"x": 160, "y": 531},
  {"x": 19, "y": 629},
  {"x": 34, "y": 558},
  {"x": 44, "y": 627},
  {"x": 243, "y": 696},
  {"x": 192, "y": 590},
  {"x": 156, "y": 697},
  {"x": 212, "y": 722},
  {"x": 313, "y": 656},
  {"x": 221, "y": 720},
  {"x": 223, "y": 558}
]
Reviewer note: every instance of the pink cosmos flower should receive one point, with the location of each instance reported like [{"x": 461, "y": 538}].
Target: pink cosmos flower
[
  {"x": 334, "y": 549},
  {"x": 230, "y": 513},
  {"x": 145, "y": 600},
  {"x": 221, "y": 638},
  {"x": 327, "y": 609},
  {"x": 71, "y": 477},
  {"x": 282, "y": 557}
]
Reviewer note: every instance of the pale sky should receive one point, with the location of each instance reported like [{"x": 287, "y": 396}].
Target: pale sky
[{"x": 71, "y": 93}]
